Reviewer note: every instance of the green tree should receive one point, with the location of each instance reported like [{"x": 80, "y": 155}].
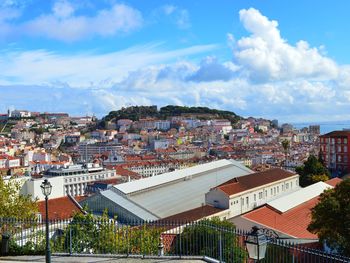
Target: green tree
[
  {"x": 102, "y": 235},
  {"x": 312, "y": 172},
  {"x": 331, "y": 218},
  {"x": 13, "y": 204},
  {"x": 203, "y": 238},
  {"x": 286, "y": 146}
]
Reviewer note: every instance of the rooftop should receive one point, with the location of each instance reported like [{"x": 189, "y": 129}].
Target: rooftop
[
  {"x": 246, "y": 182},
  {"x": 179, "y": 175}
]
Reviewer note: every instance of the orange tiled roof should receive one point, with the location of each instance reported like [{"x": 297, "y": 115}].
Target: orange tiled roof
[
  {"x": 246, "y": 182},
  {"x": 60, "y": 208},
  {"x": 294, "y": 222},
  {"x": 334, "y": 181}
]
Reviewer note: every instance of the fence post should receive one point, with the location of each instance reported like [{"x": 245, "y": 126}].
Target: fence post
[
  {"x": 70, "y": 241},
  {"x": 220, "y": 246}
]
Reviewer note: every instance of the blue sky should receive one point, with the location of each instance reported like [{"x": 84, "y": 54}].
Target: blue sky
[{"x": 257, "y": 58}]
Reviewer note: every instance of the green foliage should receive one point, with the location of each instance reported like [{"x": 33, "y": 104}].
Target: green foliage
[
  {"x": 35, "y": 245},
  {"x": 102, "y": 235},
  {"x": 203, "y": 238},
  {"x": 312, "y": 172},
  {"x": 137, "y": 112},
  {"x": 13, "y": 204},
  {"x": 331, "y": 218}
]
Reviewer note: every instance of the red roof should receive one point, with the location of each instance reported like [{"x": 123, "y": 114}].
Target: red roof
[
  {"x": 193, "y": 214},
  {"x": 334, "y": 181},
  {"x": 294, "y": 222},
  {"x": 60, "y": 208},
  {"x": 246, "y": 182}
]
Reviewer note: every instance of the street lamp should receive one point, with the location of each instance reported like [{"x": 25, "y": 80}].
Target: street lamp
[
  {"x": 46, "y": 188},
  {"x": 256, "y": 244}
]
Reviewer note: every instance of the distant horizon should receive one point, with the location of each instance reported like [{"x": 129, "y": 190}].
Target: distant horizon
[{"x": 297, "y": 123}]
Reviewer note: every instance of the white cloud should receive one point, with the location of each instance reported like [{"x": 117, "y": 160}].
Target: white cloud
[
  {"x": 179, "y": 16},
  {"x": 64, "y": 24},
  {"x": 266, "y": 56},
  {"x": 42, "y": 66},
  {"x": 63, "y": 9}
]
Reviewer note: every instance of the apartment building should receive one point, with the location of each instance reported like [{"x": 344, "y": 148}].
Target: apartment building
[
  {"x": 71, "y": 180},
  {"x": 334, "y": 149}
]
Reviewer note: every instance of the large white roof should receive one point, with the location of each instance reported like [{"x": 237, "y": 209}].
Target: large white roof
[
  {"x": 172, "y": 193},
  {"x": 296, "y": 198},
  {"x": 179, "y": 175}
]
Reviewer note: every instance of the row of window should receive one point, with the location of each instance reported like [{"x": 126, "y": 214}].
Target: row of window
[
  {"x": 332, "y": 140},
  {"x": 340, "y": 149},
  {"x": 273, "y": 191},
  {"x": 88, "y": 177}
]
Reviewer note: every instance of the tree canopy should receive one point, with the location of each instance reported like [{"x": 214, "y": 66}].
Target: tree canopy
[
  {"x": 312, "y": 172},
  {"x": 331, "y": 218},
  {"x": 137, "y": 112},
  {"x": 13, "y": 204}
]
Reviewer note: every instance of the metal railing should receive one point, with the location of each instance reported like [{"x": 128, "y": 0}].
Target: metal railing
[{"x": 96, "y": 236}]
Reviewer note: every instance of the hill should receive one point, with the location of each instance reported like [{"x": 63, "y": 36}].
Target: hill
[{"x": 138, "y": 112}]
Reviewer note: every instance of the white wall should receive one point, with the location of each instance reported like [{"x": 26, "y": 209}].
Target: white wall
[{"x": 246, "y": 201}]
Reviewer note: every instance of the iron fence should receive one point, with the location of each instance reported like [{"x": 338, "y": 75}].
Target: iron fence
[{"x": 89, "y": 235}]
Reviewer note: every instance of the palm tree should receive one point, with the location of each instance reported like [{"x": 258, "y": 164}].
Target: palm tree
[{"x": 286, "y": 145}]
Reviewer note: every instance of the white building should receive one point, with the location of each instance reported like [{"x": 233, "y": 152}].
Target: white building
[
  {"x": 162, "y": 125},
  {"x": 245, "y": 193},
  {"x": 70, "y": 180},
  {"x": 166, "y": 194},
  {"x": 20, "y": 114}
]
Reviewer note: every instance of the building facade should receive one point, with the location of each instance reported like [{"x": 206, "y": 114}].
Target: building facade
[{"x": 334, "y": 149}]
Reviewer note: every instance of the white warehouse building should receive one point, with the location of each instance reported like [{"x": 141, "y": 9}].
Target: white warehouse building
[{"x": 166, "y": 194}]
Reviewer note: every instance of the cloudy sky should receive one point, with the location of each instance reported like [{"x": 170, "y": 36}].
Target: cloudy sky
[{"x": 271, "y": 59}]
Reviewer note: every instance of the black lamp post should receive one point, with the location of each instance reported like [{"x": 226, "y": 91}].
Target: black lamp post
[
  {"x": 256, "y": 244},
  {"x": 46, "y": 188}
]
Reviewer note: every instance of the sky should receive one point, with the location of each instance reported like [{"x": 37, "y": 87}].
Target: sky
[{"x": 286, "y": 60}]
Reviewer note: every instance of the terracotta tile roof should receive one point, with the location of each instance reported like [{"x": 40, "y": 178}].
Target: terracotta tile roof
[
  {"x": 334, "y": 181},
  {"x": 336, "y": 134},
  {"x": 193, "y": 214},
  {"x": 60, "y": 208},
  {"x": 243, "y": 183},
  {"x": 294, "y": 222}
]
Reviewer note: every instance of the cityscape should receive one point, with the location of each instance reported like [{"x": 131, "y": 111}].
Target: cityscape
[{"x": 129, "y": 133}]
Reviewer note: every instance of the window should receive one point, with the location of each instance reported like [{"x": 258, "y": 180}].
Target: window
[
  {"x": 282, "y": 187},
  {"x": 339, "y": 140},
  {"x": 260, "y": 195},
  {"x": 254, "y": 197},
  {"x": 339, "y": 158},
  {"x": 278, "y": 189},
  {"x": 242, "y": 201},
  {"x": 247, "y": 200},
  {"x": 287, "y": 186},
  {"x": 271, "y": 191},
  {"x": 339, "y": 148},
  {"x": 274, "y": 190},
  {"x": 345, "y": 140},
  {"x": 345, "y": 149}
]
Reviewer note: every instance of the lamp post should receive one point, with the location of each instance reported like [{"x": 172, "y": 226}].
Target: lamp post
[
  {"x": 46, "y": 188},
  {"x": 256, "y": 244}
]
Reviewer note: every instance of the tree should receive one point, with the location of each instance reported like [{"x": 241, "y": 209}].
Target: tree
[
  {"x": 13, "y": 204},
  {"x": 331, "y": 218},
  {"x": 203, "y": 238},
  {"x": 312, "y": 172},
  {"x": 285, "y": 145}
]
